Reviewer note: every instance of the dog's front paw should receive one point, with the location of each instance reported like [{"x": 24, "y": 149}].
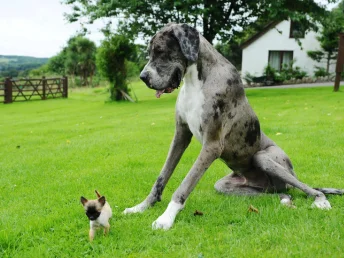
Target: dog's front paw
[
  {"x": 136, "y": 209},
  {"x": 163, "y": 222},
  {"x": 321, "y": 203}
]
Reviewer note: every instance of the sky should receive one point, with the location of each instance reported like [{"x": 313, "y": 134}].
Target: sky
[{"x": 38, "y": 28}]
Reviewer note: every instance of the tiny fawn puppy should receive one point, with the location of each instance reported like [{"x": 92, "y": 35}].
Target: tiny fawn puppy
[{"x": 99, "y": 212}]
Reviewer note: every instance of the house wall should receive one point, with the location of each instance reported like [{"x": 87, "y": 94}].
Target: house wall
[{"x": 255, "y": 56}]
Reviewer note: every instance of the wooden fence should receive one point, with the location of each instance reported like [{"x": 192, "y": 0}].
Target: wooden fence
[{"x": 33, "y": 89}]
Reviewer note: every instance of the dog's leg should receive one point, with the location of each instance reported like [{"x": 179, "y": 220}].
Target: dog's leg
[
  {"x": 208, "y": 154},
  {"x": 264, "y": 162},
  {"x": 181, "y": 140},
  {"x": 106, "y": 229},
  {"x": 91, "y": 234},
  {"x": 331, "y": 191},
  {"x": 234, "y": 184}
]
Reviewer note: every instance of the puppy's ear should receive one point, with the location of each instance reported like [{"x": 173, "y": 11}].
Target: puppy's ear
[
  {"x": 101, "y": 200},
  {"x": 97, "y": 193},
  {"x": 83, "y": 200},
  {"x": 188, "y": 38}
]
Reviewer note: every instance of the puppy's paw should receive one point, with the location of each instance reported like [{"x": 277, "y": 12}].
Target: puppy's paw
[
  {"x": 321, "y": 203},
  {"x": 163, "y": 222},
  {"x": 136, "y": 209}
]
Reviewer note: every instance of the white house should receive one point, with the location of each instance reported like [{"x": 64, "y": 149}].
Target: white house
[{"x": 276, "y": 45}]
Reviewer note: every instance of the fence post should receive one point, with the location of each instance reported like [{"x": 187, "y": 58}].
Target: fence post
[
  {"x": 8, "y": 90},
  {"x": 340, "y": 62},
  {"x": 65, "y": 87},
  {"x": 44, "y": 84}
]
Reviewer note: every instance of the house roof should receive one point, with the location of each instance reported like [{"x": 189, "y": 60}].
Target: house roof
[{"x": 256, "y": 36}]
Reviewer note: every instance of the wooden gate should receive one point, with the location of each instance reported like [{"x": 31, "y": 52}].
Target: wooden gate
[{"x": 33, "y": 89}]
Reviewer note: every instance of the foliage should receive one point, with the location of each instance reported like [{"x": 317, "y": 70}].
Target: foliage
[
  {"x": 80, "y": 58},
  {"x": 111, "y": 59},
  {"x": 218, "y": 19},
  {"x": 56, "y": 64},
  {"x": 320, "y": 72},
  {"x": 269, "y": 72},
  {"x": 19, "y": 66},
  {"x": 248, "y": 78},
  {"x": 232, "y": 51},
  {"x": 133, "y": 70},
  {"x": 40, "y": 71},
  {"x": 69, "y": 147},
  {"x": 288, "y": 72},
  {"x": 332, "y": 25}
]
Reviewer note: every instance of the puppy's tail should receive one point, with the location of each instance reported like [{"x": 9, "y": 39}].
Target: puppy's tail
[
  {"x": 98, "y": 194},
  {"x": 330, "y": 191}
]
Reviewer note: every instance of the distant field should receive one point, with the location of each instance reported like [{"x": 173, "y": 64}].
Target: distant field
[{"x": 54, "y": 151}]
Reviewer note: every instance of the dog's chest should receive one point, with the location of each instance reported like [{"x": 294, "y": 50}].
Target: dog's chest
[{"x": 190, "y": 103}]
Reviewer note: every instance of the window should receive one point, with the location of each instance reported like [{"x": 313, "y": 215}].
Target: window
[
  {"x": 277, "y": 59},
  {"x": 296, "y": 30}
]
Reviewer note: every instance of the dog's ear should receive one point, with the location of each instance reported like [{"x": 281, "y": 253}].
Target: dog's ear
[
  {"x": 188, "y": 39},
  {"x": 101, "y": 200},
  {"x": 97, "y": 193},
  {"x": 83, "y": 200}
]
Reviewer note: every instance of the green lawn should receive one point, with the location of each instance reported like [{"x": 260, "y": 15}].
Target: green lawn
[{"x": 54, "y": 151}]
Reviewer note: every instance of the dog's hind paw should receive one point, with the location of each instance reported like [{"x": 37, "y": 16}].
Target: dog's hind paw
[{"x": 321, "y": 203}]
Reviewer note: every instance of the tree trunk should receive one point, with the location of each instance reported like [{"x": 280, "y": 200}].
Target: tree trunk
[
  {"x": 328, "y": 65},
  {"x": 328, "y": 62},
  {"x": 91, "y": 79},
  {"x": 207, "y": 26}
]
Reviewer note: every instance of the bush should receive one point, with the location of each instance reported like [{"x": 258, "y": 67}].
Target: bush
[
  {"x": 272, "y": 76},
  {"x": 320, "y": 72},
  {"x": 133, "y": 69},
  {"x": 248, "y": 78},
  {"x": 111, "y": 63}
]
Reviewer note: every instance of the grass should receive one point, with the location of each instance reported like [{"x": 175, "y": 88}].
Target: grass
[{"x": 54, "y": 151}]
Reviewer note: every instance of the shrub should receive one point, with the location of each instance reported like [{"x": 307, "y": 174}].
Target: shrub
[
  {"x": 248, "y": 78},
  {"x": 320, "y": 72}
]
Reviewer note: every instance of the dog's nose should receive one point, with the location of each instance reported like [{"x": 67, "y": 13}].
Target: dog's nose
[{"x": 145, "y": 78}]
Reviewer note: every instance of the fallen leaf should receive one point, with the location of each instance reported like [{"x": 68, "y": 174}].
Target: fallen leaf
[
  {"x": 253, "y": 209},
  {"x": 198, "y": 213},
  {"x": 278, "y": 133}
]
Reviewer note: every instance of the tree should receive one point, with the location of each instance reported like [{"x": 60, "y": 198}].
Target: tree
[
  {"x": 56, "y": 64},
  {"x": 111, "y": 58},
  {"x": 217, "y": 18},
  {"x": 232, "y": 51},
  {"x": 332, "y": 25},
  {"x": 80, "y": 58}
]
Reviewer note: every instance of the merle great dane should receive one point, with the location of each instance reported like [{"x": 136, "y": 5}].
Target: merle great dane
[{"x": 212, "y": 106}]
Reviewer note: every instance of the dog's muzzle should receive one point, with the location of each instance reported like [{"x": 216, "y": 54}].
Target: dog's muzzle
[
  {"x": 144, "y": 76},
  {"x": 171, "y": 85}
]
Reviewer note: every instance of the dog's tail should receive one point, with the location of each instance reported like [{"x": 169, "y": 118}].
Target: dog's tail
[
  {"x": 330, "y": 191},
  {"x": 98, "y": 194}
]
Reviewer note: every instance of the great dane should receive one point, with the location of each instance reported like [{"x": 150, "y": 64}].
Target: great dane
[{"x": 212, "y": 106}]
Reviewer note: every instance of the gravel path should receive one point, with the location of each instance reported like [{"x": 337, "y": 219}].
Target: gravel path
[{"x": 303, "y": 85}]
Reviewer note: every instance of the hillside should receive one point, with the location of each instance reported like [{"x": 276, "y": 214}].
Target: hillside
[{"x": 14, "y": 66}]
